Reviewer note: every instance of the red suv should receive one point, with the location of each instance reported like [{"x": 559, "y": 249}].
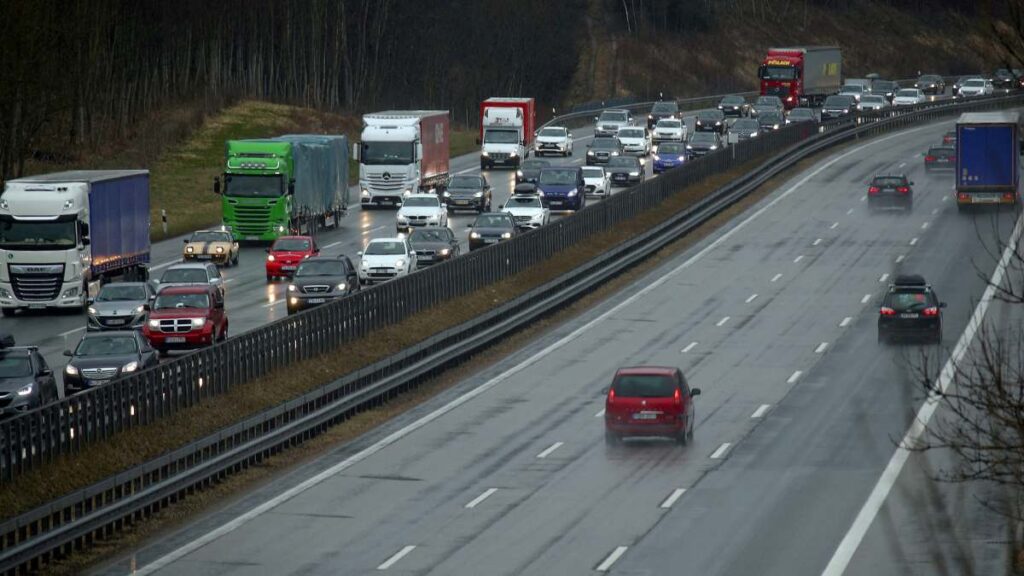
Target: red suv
[
  {"x": 186, "y": 317},
  {"x": 287, "y": 252},
  {"x": 649, "y": 401}
]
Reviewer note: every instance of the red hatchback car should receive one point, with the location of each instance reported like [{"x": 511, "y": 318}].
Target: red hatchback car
[
  {"x": 287, "y": 252},
  {"x": 186, "y": 317},
  {"x": 649, "y": 401}
]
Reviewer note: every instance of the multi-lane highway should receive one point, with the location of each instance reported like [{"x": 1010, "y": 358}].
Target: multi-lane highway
[{"x": 508, "y": 473}]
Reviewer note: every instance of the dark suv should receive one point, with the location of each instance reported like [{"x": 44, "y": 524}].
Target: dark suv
[
  {"x": 891, "y": 191},
  {"x": 26, "y": 382},
  {"x": 491, "y": 228},
  {"x": 662, "y": 110},
  {"x": 910, "y": 309},
  {"x": 321, "y": 279}
]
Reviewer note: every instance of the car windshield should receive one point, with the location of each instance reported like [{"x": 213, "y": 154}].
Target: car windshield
[
  {"x": 524, "y": 202},
  {"x": 622, "y": 162},
  {"x": 837, "y": 102},
  {"x": 118, "y": 292},
  {"x": 941, "y": 151},
  {"x": 210, "y": 237},
  {"x": 664, "y": 108},
  {"x": 669, "y": 124},
  {"x": 184, "y": 276},
  {"x": 975, "y": 83},
  {"x": 644, "y": 386},
  {"x": 471, "y": 181},
  {"x": 320, "y": 268},
  {"x": 768, "y": 100},
  {"x": 605, "y": 144},
  {"x": 671, "y": 148},
  {"x": 889, "y": 181},
  {"x": 710, "y": 115},
  {"x": 908, "y": 300},
  {"x": 733, "y": 100},
  {"x": 745, "y": 125},
  {"x": 553, "y": 132},
  {"x": 703, "y": 138},
  {"x": 428, "y": 235},
  {"x": 631, "y": 133},
  {"x": 591, "y": 172},
  {"x": 15, "y": 366},
  {"x": 492, "y": 221},
  {"x": 291, "y": 245},
  {"x": 801, "y": 113},
  {"x": 420, "y": 201},
  {"x": 613, "y": 116},
  {"x": 501, "y": 137},
  {"x": 907, "y": 93},
  {"x": 769, "y": 118},
  {"x": 535, "y": 164},
  {"x": 386, "y": 248},
  {"x": 558, "y": 177},
  {"x": 107, "y": 346},
  {"x": 873, "y": 100},
  {"x": 171, "y": 301}
]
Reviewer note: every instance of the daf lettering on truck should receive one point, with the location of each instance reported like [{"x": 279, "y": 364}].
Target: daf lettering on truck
[{"x": 400, "y": 153}]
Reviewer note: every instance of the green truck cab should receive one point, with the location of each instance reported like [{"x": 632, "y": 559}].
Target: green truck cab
[{"x": 294, "y": 184}]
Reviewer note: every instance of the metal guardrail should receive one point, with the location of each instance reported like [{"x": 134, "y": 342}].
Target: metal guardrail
[{"x": 70, "y": 522}]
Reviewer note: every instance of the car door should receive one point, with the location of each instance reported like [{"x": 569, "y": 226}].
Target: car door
[
  {"x": 217, "y": 314},
  {"x": 453, "y": 243},
  {"x": 410, "y": 255},
  {"x": 351, "y": 278},
  {"x": 148, "y": 354},
  {"x": 215, "y": 278},
  {"x": 44, "y": 375}
]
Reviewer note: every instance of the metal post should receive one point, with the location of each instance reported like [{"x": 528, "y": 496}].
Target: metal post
[{"x": 163, "y": 221}]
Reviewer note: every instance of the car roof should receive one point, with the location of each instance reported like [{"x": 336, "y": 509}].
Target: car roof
[
  {"x": 434, "y": 196},
  {"x": 187, "y": 265},
  {"x": 391, "y": 239},
  {"x": 646, "y": 370},
  {"x": 294, "y": 237},
  {"x": 143, "y": 284},
  {"x": 117, "y": 333},
  {"x": 191, "y": 289}
]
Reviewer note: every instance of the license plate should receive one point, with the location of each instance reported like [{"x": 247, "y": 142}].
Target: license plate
[
  {"x": 386, "y": 202},
  {"x": 252, "y": 237},
  {"x": 115, "y": 322},
  {"x": 316, "y": 300},
  {"x": 175, "y": 339},
  {"x": 943, "y": 160},
  {"x": 490, "y": 240},
  {"x": 556, "y": 202},
  {"x": 462, "y": 202},
  {"x": 36, "y": 307},
  {"x": 204, "y": 257},
  {"x": 620, "y": 177},
  {"x": 288, "y": 268},
  {"x": 908, "y": 315},
  {"x": 985, "y": 198},
  {"x": 645, "y": 416}
]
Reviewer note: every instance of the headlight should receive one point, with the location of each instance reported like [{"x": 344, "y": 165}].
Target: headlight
[
  {"x": 634, "y": 173},
  {"x": 718, "y": 123},
  {"x": 539, "y": 216},
  {"x": 656, "y": 157},
  {"x": 401, "y": 219},
  {"x": 140, "y": 309},
  {"x": 688, "y": 147},
  {"x": 478, "y": 194},
  {"x": 25, "y": 390},
  {"x": 447, "y": 194},
  {"x": 513, "y": 153},
  {"x": 775, "y": 126},
  {"x": 615, "y": 153},
  {"x": 154, "y": 324},
  {"x": 342, "y": 286},
  {"x": 406, "y": 193},
  {"x": 220, "y": 249},
  {"x": 92, "y": 310},
  {"x": 365, "y": 193},
  {"x": 506, "y": 235},
  {"x": 364, "y": 264},
  {"x": 292, "y": 288},
  {"x": 650, "y": 117},
  {"x": 189, "y": 250},
  {"x": 270, "y": 258},
  {"x": 130, "y": 367},
  {"x": 520, "y": 172},
  {"x": 399, "y": 263},
  {"x": 484, "y": 154},
  {"x": 4, "y": 293},
  {"x": 571, "y": 193},
  {"x": 846, "y": 110},
  {"x": 434, "y": 217},
  {"x": 474, "y": 235},
  {"x": 445, "y": 251},
  {"x": 682, "y": 158},
  {"x": 589, "y": 153},
  {"x": 540, "y": 193},
  {"x": 71, "y": 370},
  {"x": 198, "y": 322},
  {"x": 753, "y": 134},
  {"x": 713, "y": 147}
]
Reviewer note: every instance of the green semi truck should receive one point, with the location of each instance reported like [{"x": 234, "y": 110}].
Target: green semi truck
[{"x": 293, "y": 184}]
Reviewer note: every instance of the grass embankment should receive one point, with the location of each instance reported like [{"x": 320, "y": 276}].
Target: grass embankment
[{"x": 98, "y": 461}]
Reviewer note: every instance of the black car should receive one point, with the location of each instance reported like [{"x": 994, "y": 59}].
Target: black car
[
  {"x": 529, "y": 170},
  {"x": 931, "y": 84},
  {"x": 745, "y": 128},
  {"x": 433, "y": 245},
  {"x": 767, "y": 104},
  {"x": 625, "y": 170},
  {"x": 525, "y": 189},
  {"x": 910, "y": 309},
  {"x": 940, "y": 158},
  {"x": 891, "y": 191},
  {"x": 734, "y": 106},
  {"x": 102, "y": 356},
  {"x": 321, "y": 279},
  {"x": 26, "y": 382},
  {"x": 801, "y": 115},
  {"x": 600, "y": 150},
  {"x": 770, "y": 121},
  {"x": 491, "y": 228},
  {"x": 837, "y": 106},
  {"x": 887, "y": 88},
  {"x": 1004, "y": 79},
  {"x": 662, "y": 110},
  {"x": 710, "y": 121},
  {"x": 702, "y": 143},
  {"x": 120, "y": 305},
  {"x": 469, "y": 192}
]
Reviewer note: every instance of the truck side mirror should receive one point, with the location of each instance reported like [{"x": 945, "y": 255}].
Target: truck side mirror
[
  {"x": 216, "y": 185},
  {"x": 185, "y": 240},
  {"x": 595, "y": 119},
  {"x": 291, "y": 187},
  {"x": 86, "y": 241}
]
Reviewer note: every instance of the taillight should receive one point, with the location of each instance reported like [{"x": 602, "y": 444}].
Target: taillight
[
  {"x": 933, "y": 311},
  {"x": 873, "y": 190},
  {"x": 886, "y": 311},
  {"x": 678, "y": 397},
  {"x": 903, "y": 189},
  {"x": 611, "y": 396},
  {"x": 929, "y": 158},
  {"x": 1008, "y": 196}
]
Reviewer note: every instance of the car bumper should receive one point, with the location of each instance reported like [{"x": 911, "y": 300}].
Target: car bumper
[
  {"x": 912, "y": 329},
  {"x": 371, "y": 275},
  {"x": 215, "y": 258},
  {"x": 635, "y": 429},
  {"x": 297, "y": 302},
  {"x": 635, "y": 150},
  {"x": 389, "y": 200},
  {"x": 20, "y": 404},
  {"x": 551, "y": 149},
  {"x": 660, "y": 167},
  {"x": 593, "y": 190},
  {"x": 598, "y": 159},
  {"x": 99, "y": 324},
  {"x": 738, "y": 112},
  {"x": 701, "y": 128},
  {"x": 405, "y": 227},
  {"x": 890, "y": 201},
  {"x": 666, "y": 138},
  {"x": 502, "y": 160},
  {"x": 460, "y": 203},
  {"x": 950, "y": 166},
  {"x": 181, "y": 341},
  {"x": 282, "y": 269},
  {"x": 562, "y": 202}
]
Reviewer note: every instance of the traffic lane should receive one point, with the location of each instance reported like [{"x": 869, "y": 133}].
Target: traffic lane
[{"x": 587, "y": 369}]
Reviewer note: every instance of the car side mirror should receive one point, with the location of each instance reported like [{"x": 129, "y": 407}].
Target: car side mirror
[
  {"x": 911, "y": 182},
  {"x": 185, "y": 241},
  {"x": 219, "y": 305},
  {"x": 90, "y": 301},
  {"x": 360, "y": 253},
  {"x": 694, "y": 392},
  {"x": 68, "y": 353},
  {"x": 595, "y": 119},
  {"x": 942, "y": 304},
  {"x": 46, "y": 372}
]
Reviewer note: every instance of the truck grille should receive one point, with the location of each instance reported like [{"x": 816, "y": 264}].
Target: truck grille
[
  {"x": 37, "y": 283},
  {"x": 379, "y": 182},
  {"x": 99, "y": 373},
  {"x": 173, "y": 325},
  {"x": 252, "y": 220}
]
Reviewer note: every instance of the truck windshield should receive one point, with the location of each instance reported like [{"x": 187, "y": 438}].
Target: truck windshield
[
  {"x": 249, "y": 186},
  {"x": 58, "y": 234},
  {"x": 501, "y": 137},
  {"x": 778, "y": 73},
  {"x": 378, "y": 153}
]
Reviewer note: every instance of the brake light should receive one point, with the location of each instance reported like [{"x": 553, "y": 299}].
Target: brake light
[
  {"x": 933, "y": 311},
  {"x": 677, "y": 397},
  {"x": 903, "y": 189},
  {"x": 611, "y": 396},
  {"x": 1008, "y": 196},
  {"x": 929, "y": 158},
  {"x": 873, "y": 190},
  {"x": 886, "y": 311}
]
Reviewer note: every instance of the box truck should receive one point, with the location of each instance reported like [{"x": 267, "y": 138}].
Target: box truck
[
  {"x": 294, "y": 184},
  {"x": 506, "y": 131},
  {"x": 801, "y": 75},
  {"x": 402, "y": 152},
  {"x": 988, "y": 151},
  {"x": 63, "y": 234}
]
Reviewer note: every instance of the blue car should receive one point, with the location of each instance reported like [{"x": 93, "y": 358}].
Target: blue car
[
  {"x": 562, "y": 188},
  {"x": 669, "y": 155}
]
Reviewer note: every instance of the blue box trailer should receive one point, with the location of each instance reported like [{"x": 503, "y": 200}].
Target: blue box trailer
[{"x": 988, "y": 158}]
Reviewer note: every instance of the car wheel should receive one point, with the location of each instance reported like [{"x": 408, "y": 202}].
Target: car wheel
[
  {"x": 7, "y": 312},
  {"x": 270, "y": 278},
  {"x": 161, "y": 353},
  {"x": 611, "y": 438},
  {"x": 235, "y": 261},
  {"x": 882, "y": 339},
  {"x": 681, "y": 438}
]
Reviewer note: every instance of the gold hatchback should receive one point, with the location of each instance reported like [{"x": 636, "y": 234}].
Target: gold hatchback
[{"x": 217, "y": 246}]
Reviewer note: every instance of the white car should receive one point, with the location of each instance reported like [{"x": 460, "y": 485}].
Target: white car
[
  {"x": 635, "y": 140},
  {"x": 596, "y": 181},
  {"x": 386, "y": 258},
  {"x": 977, "y": 87},
  {"x": 669, "y": 130},
  {"x": 873, "y": 103},
  {"x": 527, "y": 211},
  {"x": 856, "y": 90},
  {"x": 609, "y": 122},
  {"x": 908, "y": 97},
  {"x": 553, "y": 140},
  {"x": 419, "y": 210}
]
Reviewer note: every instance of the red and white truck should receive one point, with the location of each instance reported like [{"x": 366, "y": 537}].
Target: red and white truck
[
  {"x": 506, "y": 131},
  {"x": 801, "y": 75},
  {"x": 402, "y": 152}
]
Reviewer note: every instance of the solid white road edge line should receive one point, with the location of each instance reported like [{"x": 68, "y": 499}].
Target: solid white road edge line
[
  {"x": 672, "y": 498},
  {"x": 760, "y": 410},
  {"x": 235, "y": 523},
  {"x": 487, "y": 494},
  {"x": 398, "y": 556},
  {"x": 851, "y": 541},
  {"x": 612, "y": 558},
  {"x": 547, "y": 451},
  {"x": 721, "y": 451}
]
